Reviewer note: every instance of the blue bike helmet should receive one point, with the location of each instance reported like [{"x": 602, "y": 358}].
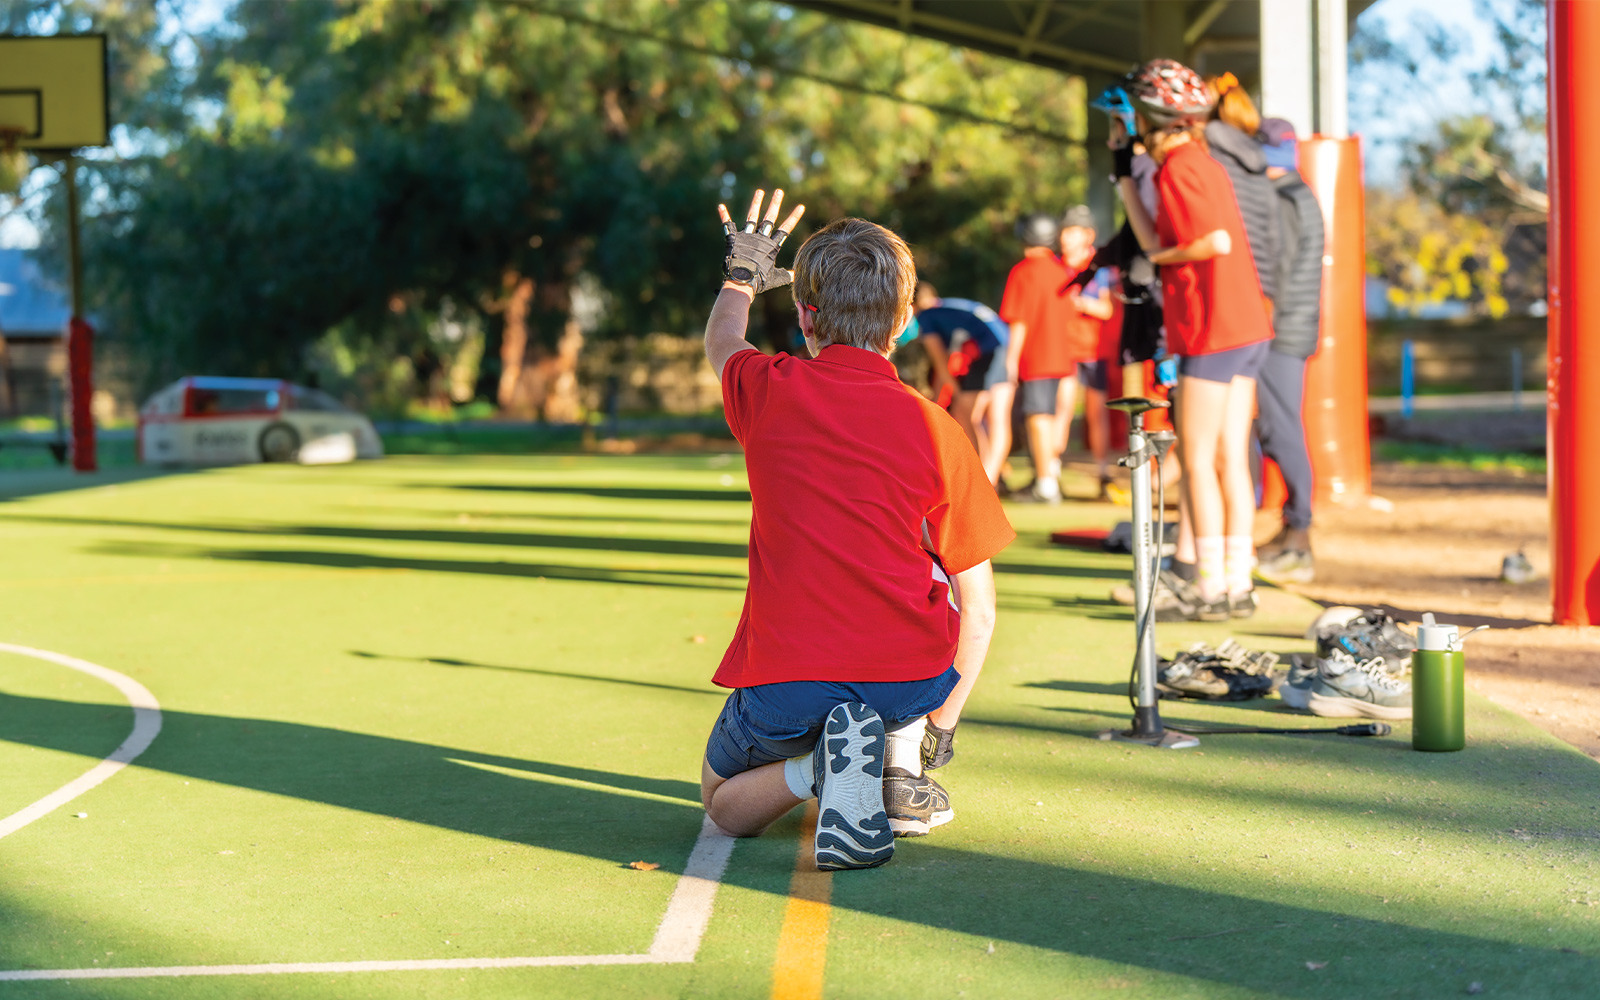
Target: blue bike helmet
[{"x": 1114, "y": 101}]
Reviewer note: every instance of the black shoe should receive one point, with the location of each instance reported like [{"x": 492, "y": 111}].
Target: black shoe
[
  {"x": 1242, "y": 605},
  {"x": 916, "y": 804}
]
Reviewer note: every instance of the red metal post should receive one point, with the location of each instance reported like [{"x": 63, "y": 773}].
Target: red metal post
[
  {"x": 1574, "y": 326},
  {"x": 1335, "y": 408},
  {"x": 80, "y": 392}
]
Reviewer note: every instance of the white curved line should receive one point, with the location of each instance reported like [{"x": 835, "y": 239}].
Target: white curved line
[{"x": 146, "y": 724}]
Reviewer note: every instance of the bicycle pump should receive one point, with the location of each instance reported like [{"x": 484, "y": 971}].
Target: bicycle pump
[{"x": 1144, "y": 446}]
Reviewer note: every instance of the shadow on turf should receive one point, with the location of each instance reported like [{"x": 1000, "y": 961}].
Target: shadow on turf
[
  {"x": 446, "y": 661},
  {"x": 465, "y": 536},
  {"x": 604, "y": 492},
  {"x": 696, "y": 579},
  {"x": 1147, "y": 923}
]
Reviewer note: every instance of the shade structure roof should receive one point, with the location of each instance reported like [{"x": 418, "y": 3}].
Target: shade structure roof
[{"x": 1082, "y": 37}]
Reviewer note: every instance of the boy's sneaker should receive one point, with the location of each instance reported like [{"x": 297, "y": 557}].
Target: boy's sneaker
[
  {"x": 1176, "y": 598},
  {"x": 1369, "y": 634},
  {"x": 852, "y": 825},
  {"x": 1346, "y": 688},
  {"x": 1046, "y": 489},
  {"x": 1296, "y": 688},
  {"x": 1242, "y": 605},
  {"x": 1288, "y": 566},
  {"x": 915, "y": 803}
]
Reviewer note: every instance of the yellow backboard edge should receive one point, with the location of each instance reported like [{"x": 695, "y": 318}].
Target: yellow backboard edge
[{"x": 68, "y": 72}]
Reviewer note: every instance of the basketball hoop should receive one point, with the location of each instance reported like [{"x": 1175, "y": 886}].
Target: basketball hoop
[{"x": 14, "y": 163}]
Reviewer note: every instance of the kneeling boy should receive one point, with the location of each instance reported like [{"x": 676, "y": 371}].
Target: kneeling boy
[{"x": 871, "y": 519}]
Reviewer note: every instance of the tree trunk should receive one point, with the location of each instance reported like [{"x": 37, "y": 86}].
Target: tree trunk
[{"x": 514, "y": 394}]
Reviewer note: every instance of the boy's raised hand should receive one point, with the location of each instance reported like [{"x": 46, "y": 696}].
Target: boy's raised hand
[{"x": 752, "y": 253}]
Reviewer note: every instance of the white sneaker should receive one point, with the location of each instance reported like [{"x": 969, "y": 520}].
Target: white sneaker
[{"x": 852, "y": 824}]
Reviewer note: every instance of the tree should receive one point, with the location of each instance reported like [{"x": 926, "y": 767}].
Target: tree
[
  {"x": 365, "y": 166},
  {"x": 1468, "y": 222}
]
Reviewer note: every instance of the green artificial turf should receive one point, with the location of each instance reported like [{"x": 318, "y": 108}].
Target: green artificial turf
[{"x": 433, "y": 707}]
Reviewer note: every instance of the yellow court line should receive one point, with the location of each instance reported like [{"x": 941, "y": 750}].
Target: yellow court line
[{"x": 803, "y": 942}]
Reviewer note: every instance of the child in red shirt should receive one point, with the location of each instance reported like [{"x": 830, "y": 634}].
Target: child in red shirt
[
  {"x": 871, "y": 597},
  {"x": 1040, "y": 352},
  {"x": 1216, "y": 320}
]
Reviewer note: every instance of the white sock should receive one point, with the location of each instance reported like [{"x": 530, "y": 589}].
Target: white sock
[
  {"x": 798, "y": 774},
  {"x": 903, "y": 747},
  {"x": 1239, "y": 557}
]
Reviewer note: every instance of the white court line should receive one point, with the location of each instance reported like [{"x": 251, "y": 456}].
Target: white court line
[
  {"x": 677, "y": 937},
  {"x": 146, "y": 724}
]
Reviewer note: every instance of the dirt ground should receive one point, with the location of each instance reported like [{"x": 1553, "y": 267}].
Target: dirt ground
[{"x": 1436, "y": 544}]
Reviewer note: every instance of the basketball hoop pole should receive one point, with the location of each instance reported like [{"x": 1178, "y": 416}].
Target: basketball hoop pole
[{"x": 80, "y": 335}]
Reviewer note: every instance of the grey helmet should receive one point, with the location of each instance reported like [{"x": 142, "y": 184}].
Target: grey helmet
[{"x": 1038, "y": 229}]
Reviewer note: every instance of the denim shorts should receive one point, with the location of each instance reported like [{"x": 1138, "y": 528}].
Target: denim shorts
[
  {"x": 772, "y": 722},
  {"x": 1225, "y": 366}
]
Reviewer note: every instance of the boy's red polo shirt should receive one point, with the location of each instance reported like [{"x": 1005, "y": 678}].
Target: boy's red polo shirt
[
  {"x": 1208, "y": 305},
  {"x": 845, "y": 463},
  {"x": 1033, "y": 297}
]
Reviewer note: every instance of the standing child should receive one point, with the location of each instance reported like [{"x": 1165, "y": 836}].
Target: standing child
[
  {"x": 1216, "y": 321},
  {"x": 1039, "y": 355},
  {"x": 871, "y": 599}
]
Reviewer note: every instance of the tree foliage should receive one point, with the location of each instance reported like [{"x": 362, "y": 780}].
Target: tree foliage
[
  {"x": 1468, "y": 222},
  {"x": 365, "y": 166}
]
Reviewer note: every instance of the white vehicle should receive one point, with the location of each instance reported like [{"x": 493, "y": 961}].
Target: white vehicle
[{"x": 203, "y": 420}]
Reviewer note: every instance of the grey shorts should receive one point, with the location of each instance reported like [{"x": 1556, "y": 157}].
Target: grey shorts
[
  {"x": 772, "y": 722},
  {"x": 1225, "y": 366},
  {"x": 997, "y": 368},
  {"x": 1038, "y": 396}
]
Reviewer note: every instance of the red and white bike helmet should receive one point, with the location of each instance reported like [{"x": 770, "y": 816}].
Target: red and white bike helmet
[{"x": 1167, "y": 92}]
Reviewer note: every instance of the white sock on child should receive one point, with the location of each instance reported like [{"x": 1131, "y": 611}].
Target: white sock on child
[
  {"x": 1212, "y": 565},
  {"x": 1240, "y": 554},
  {"x": 798, "y": 775},
  {"x": 903, "y": 747}
]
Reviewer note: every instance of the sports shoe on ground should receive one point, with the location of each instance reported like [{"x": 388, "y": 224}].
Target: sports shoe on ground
[
  {"x": 1347, "y": 688},
  {"x": 852, "y": 825},
  {"x": 915, "y": 803},
  {"x": 1242, "y": 605},
  {"x": 1046, "y": 489},
  {"x": 1176, "y": 598},
  {"x": 1287, "y": 539},
  {"x": 1296, "y": 687},
  {"x": 1370, "y": 633},
  {"x": 1288, "y": 566},
  {"x": 1232, "y": 673}
]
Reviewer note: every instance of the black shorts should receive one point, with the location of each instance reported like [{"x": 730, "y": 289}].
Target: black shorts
[
  {"x": 1225, "y": 366},
  {"x": 1038, "y": 396},
  {"x": 1092, "y": 375},
  {"x": 976, "y": 378}
]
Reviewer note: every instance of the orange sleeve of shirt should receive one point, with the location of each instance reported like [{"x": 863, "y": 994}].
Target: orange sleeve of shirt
[
  {"x": 967, "y": 524},
  {"x": 744, "y": 389},
  {"x": 1193, "y": 203}
]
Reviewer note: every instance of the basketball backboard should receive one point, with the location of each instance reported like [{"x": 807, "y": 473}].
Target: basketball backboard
[{"x": 53, "y": 88}]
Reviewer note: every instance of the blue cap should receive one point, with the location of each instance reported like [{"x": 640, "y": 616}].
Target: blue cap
[{"x": 1285, "y": 154}]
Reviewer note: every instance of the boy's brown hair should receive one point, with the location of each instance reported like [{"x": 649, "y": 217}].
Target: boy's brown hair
[{"x": 859, "y": 279}]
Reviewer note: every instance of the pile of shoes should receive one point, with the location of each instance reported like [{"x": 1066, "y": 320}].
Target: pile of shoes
[
  {"x": 1359, "y": 671},
  {"x": 1229, "y": 672}
]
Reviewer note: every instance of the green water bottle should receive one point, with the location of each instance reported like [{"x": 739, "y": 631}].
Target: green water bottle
[{"x": 1438, "y": 688}]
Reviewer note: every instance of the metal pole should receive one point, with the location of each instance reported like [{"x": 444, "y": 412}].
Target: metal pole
[
  {"x": 1333, "y": 53},
  {"x": 1408, "y": 377},
  {"x": 1574, "y": 323},
  {"x": 80, "y": 337},
  {"x": 1286, "y": 76}
]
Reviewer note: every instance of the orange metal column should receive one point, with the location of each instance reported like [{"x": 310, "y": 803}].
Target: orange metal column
[
  {"x": 1574, "y": 371},
  {"x": 1335, "y": 409}
]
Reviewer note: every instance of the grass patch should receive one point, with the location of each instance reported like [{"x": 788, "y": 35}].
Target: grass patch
[{"x": 1456, "y": 456}]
